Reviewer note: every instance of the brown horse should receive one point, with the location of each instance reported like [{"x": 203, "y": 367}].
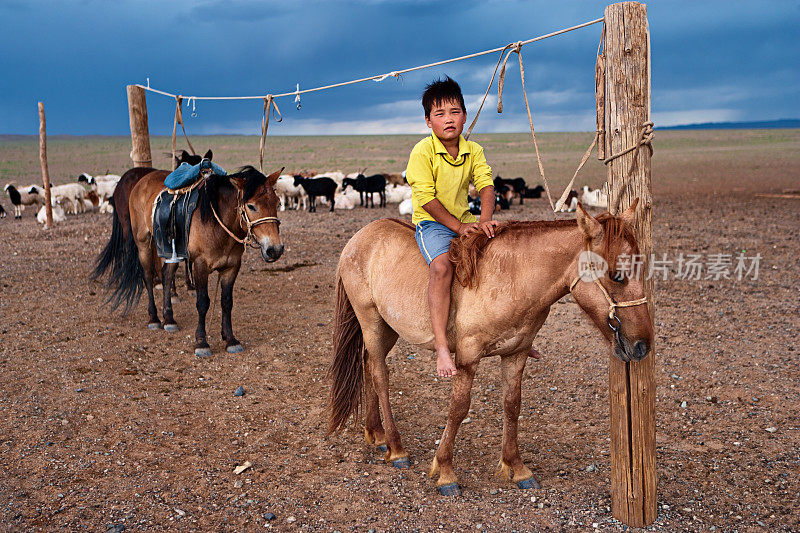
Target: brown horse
[
  {"x": 507, "y": 286},
  {"x": 233, "y": 211}
]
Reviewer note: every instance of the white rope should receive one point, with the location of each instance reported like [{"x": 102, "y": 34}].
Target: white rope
[{"x": 380, "y": 77}]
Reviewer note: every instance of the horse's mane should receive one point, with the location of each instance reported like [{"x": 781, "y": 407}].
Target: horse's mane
[
  {"x": 214, "y": 184},
  {"x": 466, "y": 251}
]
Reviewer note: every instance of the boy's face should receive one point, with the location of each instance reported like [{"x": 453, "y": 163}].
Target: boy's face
[{"x": 447, "y": 120}]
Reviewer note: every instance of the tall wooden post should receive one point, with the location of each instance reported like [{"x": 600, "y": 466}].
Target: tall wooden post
[
  {"x": 48, "y": 206},
  {"x": 140, "y": 134},
  {"x": 632, "y": 385}
]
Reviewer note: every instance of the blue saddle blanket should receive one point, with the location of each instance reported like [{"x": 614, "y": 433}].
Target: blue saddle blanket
[
  {"x": 172, "y": 216},
  {"x": 186, "y": 174}
]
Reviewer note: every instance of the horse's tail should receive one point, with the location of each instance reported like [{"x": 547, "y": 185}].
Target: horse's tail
[
  {"x": 347, "y": 367},
  {"x": 127, "y": 277},
  {"x": 112, "y": 254}
]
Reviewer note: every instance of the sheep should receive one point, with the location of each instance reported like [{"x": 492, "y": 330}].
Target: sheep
[
  {"x": 30, "y": 195},
  {"x": 406, "y": 207},
  {"x": 343, "y": 201},
  {"x": 321, "y": 186},
  {"x": 104, "y": 185},
  {"x": 71, "y": 195},
  {"x": 290, "y": 194},
  {"x": 397, "y": 193},
  {"x": 594, "y": 198},
  {"x": 58, "y": 214}
]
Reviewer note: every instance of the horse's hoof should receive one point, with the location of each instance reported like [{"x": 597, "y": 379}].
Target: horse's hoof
[
  {"x": 202, "y": 352},
  {"x": 172, "y": 328},
  {"x": 402, "y": 463},
  {"x": 529, "y": 483},
  {"x": 382, "y": 448},
  {"x": 451, "y": 489},
  {"x": 154, "y": 325},
  {"x": 235, "y": 348}
]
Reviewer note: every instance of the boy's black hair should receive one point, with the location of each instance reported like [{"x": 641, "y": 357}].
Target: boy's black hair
[{"x": 440, "y": 91}]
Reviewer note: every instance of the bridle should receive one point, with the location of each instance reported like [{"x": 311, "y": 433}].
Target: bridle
[
  {"x": 246, "y": 223},
  {"x": 612, "y": 304}
]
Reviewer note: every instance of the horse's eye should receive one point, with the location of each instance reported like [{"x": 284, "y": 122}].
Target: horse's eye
[
  {"x": 617, "y": 277},
  {"x": 251, "y": 207}
]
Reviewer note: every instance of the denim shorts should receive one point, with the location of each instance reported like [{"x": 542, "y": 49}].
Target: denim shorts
[{"x": 433, "y": 239}]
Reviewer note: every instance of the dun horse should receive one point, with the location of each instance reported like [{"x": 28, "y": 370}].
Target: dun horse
[
  {"x": 233, "y": 211},
  {"x": 507, "y": 285}
]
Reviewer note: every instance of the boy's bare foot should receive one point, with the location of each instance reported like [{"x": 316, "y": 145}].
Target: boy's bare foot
[{"x": 444, "y": 363}]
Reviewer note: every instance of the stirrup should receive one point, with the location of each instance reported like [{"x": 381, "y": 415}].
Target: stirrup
[{"x": 174, "y": 258}]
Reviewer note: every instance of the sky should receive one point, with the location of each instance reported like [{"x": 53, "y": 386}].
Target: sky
[{"x": 713, "y": 61}]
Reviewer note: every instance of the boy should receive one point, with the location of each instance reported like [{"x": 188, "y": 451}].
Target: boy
[{"x": 439, "y": 171}]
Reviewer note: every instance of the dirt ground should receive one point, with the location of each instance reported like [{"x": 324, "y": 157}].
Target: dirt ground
[{"x": 105, "y": 424}]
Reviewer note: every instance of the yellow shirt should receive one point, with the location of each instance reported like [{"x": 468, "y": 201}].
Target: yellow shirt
[{"x": 434, "y": 174}]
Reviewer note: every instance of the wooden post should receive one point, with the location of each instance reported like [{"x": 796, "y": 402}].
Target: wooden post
[
  {"x": 140, "y": 134},
  {"x": 48, "y": 206},
  {"x": 632, "y": 385}
]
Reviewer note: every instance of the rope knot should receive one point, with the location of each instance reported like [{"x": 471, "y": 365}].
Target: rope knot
[{"x": 516, "y": 47}]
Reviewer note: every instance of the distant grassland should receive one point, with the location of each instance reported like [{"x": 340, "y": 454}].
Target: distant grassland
[{"x": 684, "y": 161}]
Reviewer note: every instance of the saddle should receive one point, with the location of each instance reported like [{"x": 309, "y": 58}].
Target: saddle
[
  {"x": 172, "y": 216},
  {"x": 174, "y": 206}
]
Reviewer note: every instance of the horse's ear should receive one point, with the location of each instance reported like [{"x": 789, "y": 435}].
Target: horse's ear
[
  {"x": 629, "y": 216},
  {"x": 209, "y": 155},
  {"x": 272, "y": 179},
  {"x": 239, "y": 183},
  {"x": 588, "y": 224}
]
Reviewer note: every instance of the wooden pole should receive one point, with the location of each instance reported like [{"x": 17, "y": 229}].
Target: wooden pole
[
  {"x": 140, "y": 134},
  {"x": 632, "y": 385},
  {"x": 48, "y": 206}
]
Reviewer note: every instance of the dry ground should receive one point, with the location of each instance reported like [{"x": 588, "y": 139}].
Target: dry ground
[{"x": 105, "y": 423}]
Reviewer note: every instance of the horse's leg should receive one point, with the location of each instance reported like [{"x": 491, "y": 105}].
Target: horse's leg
[
  {"x": 189, "y": 284},
  {"x": 168, "y": 275},
  {"x": 373, "y": 428},
  {"x": 146, "y": 259},
  {"x": 227, "y": 279},
  {"x": 459, "y": 407},
  {"x": 511, "y": 465},
  {"x": 378, "y": 340},
  {"x": 201, "y": 347}
]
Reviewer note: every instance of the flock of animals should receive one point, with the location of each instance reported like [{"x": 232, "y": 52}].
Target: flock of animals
[{"x": 335, "y": 190}]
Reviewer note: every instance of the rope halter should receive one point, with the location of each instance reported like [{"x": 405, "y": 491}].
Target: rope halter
[
  {"x": 246, "y": 224},
  {"x": 613, "y": 321}
]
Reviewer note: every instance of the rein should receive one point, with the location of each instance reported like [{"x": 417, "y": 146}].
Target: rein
[
  {"x": 612, "y": 304},
  {"x": 246, "y": 223}
]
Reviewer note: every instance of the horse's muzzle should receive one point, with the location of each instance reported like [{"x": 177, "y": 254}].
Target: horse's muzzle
[
  {"x": 628, "y": 352},
  {"x": 271, "y": 253}
]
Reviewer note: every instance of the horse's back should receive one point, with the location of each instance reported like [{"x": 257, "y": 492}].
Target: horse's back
[
  {"x": 143, "y": 195},
  {"x": 381, "y": 267}
]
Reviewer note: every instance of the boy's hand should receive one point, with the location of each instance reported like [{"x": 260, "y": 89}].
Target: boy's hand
[{"x": 488, "y": 227}]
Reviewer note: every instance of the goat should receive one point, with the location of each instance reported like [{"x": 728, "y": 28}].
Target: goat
[
  {"x": 289, "y": 194},
  {"x": 30, "y": 195},
  {"x": 594, "y": 198},
  {"x": 571, "y": 203},
  {"x": 321, "y": 186},
  {"x": 535, "y": 192},
  {"x": 70, "y": 194},
  {"x": 368, "y": 185},
  {"x": 517, "y": 185}
]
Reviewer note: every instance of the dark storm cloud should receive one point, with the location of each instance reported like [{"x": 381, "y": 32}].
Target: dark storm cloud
[{"x": 711, "y": 61}]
